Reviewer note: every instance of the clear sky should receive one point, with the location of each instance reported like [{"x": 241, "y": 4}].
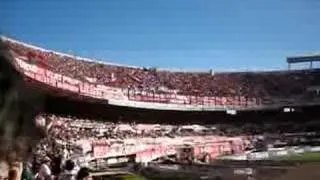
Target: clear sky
[{"x": 191, "y": 34}]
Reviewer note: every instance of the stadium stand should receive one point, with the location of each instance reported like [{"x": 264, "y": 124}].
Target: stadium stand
[
  {"x": 76, "y": 85},
  {"x": 241, "y": 89}
]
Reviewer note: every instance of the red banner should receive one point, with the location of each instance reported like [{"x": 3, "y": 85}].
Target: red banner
[{"x": 100, "y": 151}]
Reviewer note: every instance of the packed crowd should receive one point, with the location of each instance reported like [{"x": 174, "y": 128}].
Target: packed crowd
[
  {"x": 69, "y": 132},
  {"x": 53, "y": 154},
  {"x": 247, "y": 84},
  {"x": 55, "y": 165},
  {"x": 51, "y": 157},
  {"x": 72, "y": 129}
]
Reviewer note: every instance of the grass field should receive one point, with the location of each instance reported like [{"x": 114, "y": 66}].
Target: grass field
[
  {"x": 305, "y": 157},
  {"x": 129, "y": 177}
]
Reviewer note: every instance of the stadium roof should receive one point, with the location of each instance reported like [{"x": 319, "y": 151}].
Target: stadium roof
[{"x": 301, "y": 59}]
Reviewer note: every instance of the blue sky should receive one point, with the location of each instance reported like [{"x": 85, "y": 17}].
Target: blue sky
[{"x": 191, "y": 34}]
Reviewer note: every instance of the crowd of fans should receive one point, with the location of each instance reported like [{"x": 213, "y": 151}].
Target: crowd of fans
[
  {"x": 51, "y": 157},
  {"x": 73, "y": 129},
  {"x": 52, "y": 153},
  {"x": 246, "y": 84}
]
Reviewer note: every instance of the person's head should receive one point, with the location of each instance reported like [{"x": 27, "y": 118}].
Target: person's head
[
  {"x": 84, "y": 174},
  {"x": 46, "y": 160},
  {"x": 69, "y": 165}
]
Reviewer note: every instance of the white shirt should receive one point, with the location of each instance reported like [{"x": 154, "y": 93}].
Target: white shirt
[
  {"x": 44, "y": 171},
  {"x": 65, "y": 153},
  {"x": 69, "y": 175}
]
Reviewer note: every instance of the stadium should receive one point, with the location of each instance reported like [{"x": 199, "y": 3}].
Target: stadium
[{"x": 195, "y": 124}]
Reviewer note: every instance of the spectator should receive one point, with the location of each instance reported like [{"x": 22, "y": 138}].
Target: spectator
[
  {"x": 45, "y": 170},
  {"x": 27, "y": 173},
  {"x": 18, "y": 108},
  {"x": 84, "y": 174},
  {"x": 70, "y": 171}
]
